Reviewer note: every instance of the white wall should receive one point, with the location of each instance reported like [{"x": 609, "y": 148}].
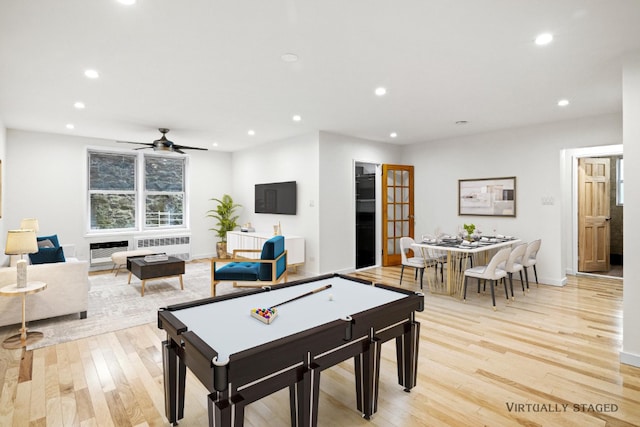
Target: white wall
[
  {"x": 46, "y": 179},
  {"x": 631, "y": 130},
  {"x": 533, "y": 155},
  {"x": 338, "y": 155},
  {"x": 294, "y": 159}
]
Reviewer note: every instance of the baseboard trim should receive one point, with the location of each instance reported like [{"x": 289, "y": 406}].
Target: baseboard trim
[{"x": 630, "y": 359}]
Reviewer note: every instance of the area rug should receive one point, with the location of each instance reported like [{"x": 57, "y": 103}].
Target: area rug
[{"x": 115, "y": 305}]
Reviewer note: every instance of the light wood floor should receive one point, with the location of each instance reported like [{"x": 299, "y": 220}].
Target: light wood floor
[{"x": 517, "y": 366}]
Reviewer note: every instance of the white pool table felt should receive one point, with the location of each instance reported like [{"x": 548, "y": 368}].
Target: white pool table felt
[{"x": 227, "y": 326}]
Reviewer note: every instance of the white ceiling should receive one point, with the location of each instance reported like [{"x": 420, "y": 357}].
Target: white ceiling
[{"x": 211, "y": 70}]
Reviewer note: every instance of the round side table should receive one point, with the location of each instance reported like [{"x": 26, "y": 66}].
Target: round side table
[{"x": 25, "y": 337}]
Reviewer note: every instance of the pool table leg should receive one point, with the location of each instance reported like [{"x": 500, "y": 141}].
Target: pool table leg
[
  {"x": 304, "y": 398},
  {"x": 407, "y": 355},
  {"x": 175, "y": 373},
  {"x": 367, "y": 370},
  {"x": 225, "y": 412}
]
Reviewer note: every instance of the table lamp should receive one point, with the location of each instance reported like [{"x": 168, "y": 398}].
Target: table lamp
[
  {"x": 29, "y": 224},
  {"x": 20, "y": 242}
]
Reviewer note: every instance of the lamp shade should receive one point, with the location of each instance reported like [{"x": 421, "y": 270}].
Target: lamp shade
[
  {"x": 21, "y": 242},
  {"x": 29, "y": 224}
]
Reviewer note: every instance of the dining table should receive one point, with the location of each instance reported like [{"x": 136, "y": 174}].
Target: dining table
[{"x": 458, "y": 254}]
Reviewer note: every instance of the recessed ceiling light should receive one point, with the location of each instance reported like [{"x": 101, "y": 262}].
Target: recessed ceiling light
[
  {"x": 289, "y": 57},
  {"x": 127, "y": 2},
  {"x": 380, "y": 91},
  {"x": 296, "y": 118},
  {"x": 215, "y": 144},
  {"x": 251, "y": 133},
  {"x": 563, "y": 103},
  {"x": 92, "y": 74},
  {"x": 462, "y": 122},
  {"x": 70, "y": 126},
  {"x": 544, "y": 38},
  {"x": 393, "y": 135},
  {"x": 79, "y": 105}
]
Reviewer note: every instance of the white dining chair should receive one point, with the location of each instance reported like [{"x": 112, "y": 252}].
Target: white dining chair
[
  {"x": 529, "y": 259},
  {"x": 514, "y": 265},
  {"x": 417, "y": 262},
  {"x": 489, "y": 272}
]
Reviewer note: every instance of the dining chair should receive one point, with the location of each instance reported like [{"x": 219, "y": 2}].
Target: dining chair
[
  {"x": 529, "y": 259},
  {"x": 417, "y": 262},
  {"x": 514, "y": 265},
  {"x": 433, "y": 257},
  {"x": 489, "y": 272}
]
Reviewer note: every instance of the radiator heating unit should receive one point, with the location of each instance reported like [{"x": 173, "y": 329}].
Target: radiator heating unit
[{"x": 177, "y": 246}]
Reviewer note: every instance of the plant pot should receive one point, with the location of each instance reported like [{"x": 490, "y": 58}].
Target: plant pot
[{"x": 221, "y": 250}]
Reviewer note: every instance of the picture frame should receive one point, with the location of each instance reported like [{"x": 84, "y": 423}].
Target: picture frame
[{"x": 487, "y": 197}]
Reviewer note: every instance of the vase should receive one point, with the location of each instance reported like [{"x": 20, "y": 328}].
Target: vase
[{"x": 221, "y": 250}]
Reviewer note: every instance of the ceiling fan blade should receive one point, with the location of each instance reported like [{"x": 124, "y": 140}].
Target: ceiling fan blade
[
  {"x": 177, "y": 150},
  {"x": 148, "y": 144},
  {"x": 188, "y": 148}
]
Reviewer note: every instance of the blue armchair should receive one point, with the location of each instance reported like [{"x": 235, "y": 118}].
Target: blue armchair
[{"x": 270, "y": 269}]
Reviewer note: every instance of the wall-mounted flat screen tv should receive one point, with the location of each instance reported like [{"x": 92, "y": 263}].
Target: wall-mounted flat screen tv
[{"x": 276, "y": 198}]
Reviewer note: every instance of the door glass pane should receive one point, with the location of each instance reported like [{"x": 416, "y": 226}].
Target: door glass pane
[
  {"x": 391, "y": 212},
  {"x": 405, "y": 178},
  {"x": 398, "y": 177},
  {"x": 397, "y": 250},
  {"x": 405, "y": 194},
  {"x": 390, "y": 178},
  {"x": 405, "y": 213},
  {"x": 390, "y": 247},
  {"x": 398, "y": 194},
  {"x": 405, "y": 228},
  {"x": 390, "y": 192},
  {"x": 390, "y": 228}
]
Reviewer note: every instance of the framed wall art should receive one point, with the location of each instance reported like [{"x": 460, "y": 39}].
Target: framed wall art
[{"x": 487, "y": 196}]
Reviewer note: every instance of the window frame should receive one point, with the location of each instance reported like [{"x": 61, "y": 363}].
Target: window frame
[{"x": 139, "y": 192}]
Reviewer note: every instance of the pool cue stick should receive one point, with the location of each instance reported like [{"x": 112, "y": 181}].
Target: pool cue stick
[{"x": 303, "y": 295}]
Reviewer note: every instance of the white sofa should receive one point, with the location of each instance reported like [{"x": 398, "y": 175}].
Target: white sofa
[{"x": 67, "y": 292}]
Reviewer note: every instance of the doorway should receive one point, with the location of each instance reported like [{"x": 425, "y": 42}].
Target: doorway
[
  {"x": 600, "y": 215},
  {"x": 365, "y": 179}
]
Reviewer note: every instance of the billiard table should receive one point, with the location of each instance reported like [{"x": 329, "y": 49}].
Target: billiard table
[{"x": 240, "y": 359}]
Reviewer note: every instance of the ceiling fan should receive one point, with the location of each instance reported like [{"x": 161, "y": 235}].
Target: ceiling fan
[{"x": 163, "y": 144}]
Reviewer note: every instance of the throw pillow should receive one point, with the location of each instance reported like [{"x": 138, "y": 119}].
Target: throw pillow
[
  {"x": 53, "y": 239},
  {"x": 45, "y": 243},
  {"x": 47, "y": 256}
]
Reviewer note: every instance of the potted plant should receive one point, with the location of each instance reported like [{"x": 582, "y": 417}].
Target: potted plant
[
  {"x": 469, "y": 228},
  {"x": 224, "y": 213}
]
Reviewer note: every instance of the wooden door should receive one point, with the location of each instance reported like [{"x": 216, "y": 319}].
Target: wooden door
[
  {"x": 397, "y": 210},
  {"x": 593, "y": 214}
]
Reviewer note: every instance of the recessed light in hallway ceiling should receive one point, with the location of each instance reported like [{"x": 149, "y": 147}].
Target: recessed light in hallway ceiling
[
  {"x": 91, "y": 74},
  {"x": 380, "y": 91},
  {"x": 544, "y": 39}
]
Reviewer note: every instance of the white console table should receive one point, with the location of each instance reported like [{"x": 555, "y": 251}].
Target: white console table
[{"x": 254, "y": 240}]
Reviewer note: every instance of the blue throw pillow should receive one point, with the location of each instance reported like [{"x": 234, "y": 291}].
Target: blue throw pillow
[
  {"x": 53, "y": 239},
  {"x": 47, "y": 256}
]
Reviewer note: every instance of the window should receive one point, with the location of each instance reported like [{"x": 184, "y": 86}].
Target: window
[
  {"x": 135, "y": 191},
  {"x": 164, "y": 191},
  {"x": 112, "y": 191},
  {"x": 620, "y": 182}
]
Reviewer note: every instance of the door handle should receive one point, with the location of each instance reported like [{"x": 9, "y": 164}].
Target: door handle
[{"x": 608, "y": 218}]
